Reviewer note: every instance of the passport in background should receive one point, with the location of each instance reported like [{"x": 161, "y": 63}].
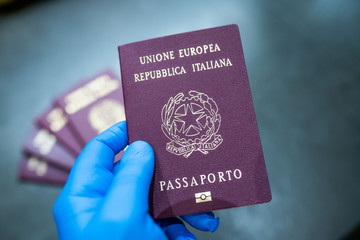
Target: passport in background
[
  {"x": 93, "y": 106},
  {"x": 56, "y": 121},
  {"x": 34, "y": 169},
  {"x": 46, "y": 146},
  {"x": 62, "y": 130},
  {"x": 188, "y": 95}
]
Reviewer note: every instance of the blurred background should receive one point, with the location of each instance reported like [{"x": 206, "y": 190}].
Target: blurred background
[{"x": 303, "y": 63}]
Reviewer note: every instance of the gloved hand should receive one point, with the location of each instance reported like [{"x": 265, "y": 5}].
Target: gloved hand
[{"x": 103, "y": 200}]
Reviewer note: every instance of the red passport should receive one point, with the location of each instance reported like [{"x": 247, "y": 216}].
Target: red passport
[
  {"x": 42, "y": 144},
  {"x": 34, "y": 169},
  {"x": 93, "y": 106},
  {"x": 188, "y": 95},
  {"x": 55, "y": 120}
]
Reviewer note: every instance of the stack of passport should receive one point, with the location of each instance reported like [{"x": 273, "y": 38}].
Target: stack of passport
[{"x": 62, "y": 130}]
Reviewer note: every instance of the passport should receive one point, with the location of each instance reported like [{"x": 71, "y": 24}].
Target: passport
[
  {"x": 188, "y": 96},
  {"x": 56, "y": 122},
  {"x": 43, "y": 144},
  {"x": 34, "y": 169},
  {"x": 93, "y": 105},
  {"x": 61, "y": 132}
]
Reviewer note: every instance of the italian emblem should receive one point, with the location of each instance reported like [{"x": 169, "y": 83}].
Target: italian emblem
[
  {"x": 191, "y": 123},
  {"x": 106, "y": 113}
]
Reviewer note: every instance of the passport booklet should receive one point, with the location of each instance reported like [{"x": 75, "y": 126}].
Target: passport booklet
[
  {"x": 188, "y": 96},
  {"x": 43, "y": 144},
  {"x": 60, "y": 133},
  {"x": 34, "y": 169},
  {"x": 93, "y": 106},
  {"x": 56, "y": 121}
]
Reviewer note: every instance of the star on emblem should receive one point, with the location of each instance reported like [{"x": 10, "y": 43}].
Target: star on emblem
[
  {"x": 191, "y": 123},
  {"x": 189, "y": 119}
]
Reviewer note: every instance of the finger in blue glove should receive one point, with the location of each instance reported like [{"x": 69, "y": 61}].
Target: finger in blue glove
[{"x": 105, "y": 201}]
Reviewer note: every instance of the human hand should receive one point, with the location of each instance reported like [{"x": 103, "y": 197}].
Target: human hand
[{"x": 103, "y": 200}]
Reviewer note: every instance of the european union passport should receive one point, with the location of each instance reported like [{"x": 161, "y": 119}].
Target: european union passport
[{"x": 188, "y": 96}]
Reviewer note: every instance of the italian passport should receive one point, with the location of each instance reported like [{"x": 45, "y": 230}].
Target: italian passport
[
  {"x": 34, "y": 169},
  {"x": 61, "y": 132},
  {"x": 188, "y": 96},
  {"x": 45, "y": 145},
  {"x": 93, "y": 106},
  {"x": 56, "y": 121}
]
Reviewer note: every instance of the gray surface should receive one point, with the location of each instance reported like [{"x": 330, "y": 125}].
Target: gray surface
[{"x": 303, "y": 63}]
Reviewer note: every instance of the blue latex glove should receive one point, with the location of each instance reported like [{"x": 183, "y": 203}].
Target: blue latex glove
[{"x": 102, "y": 200}]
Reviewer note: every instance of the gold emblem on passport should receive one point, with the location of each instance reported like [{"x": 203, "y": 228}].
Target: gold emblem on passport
[
  {"x": 203, "y": 197},
  {"x": 56, "y": 119},
  {"x": 106, "y": 113},
  {"x": 191, "y": 122},
  {"x": 44, "y": 141},
  {"x": 36, "y": 165},
  {"x": 90, "y": 93}
]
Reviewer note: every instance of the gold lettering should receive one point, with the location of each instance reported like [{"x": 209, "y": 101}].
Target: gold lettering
[
  {"x": 164, "y": 73},
  {"x": 228, "y": 63},
  {"x": 162, "y": 184},
  {"x": 147, "y": 74},
  {"x": 211, "y": 47},
  {"x": 177, "y": 181},
  {"x": 198, "y": 50},
  {"x": 44, "y": 141},
  {"x": 158, "y": 57},
  {"x": 181, "y": 53},
  {"x": 136, "y": 77},
  {"x": 193, "y": 182},
  {"x": 105, "y": 113},
  {"x": 166, "y": 56},
  {"x": 206, "y": 47},
  {"x": 212, "y": 64},
  {"x": 184, "y": 179},
  {"x": 202, "y": 178},
  {"x": 160, "y": 73},
  {"x": 56, "y": 119},
  {"x": 170, "y": 186},
  {"x": 92, "y": 91},
  {"x": 239, "y": 173},
  {"x": 222, "y": 62},
  {"x": 213, "y": 178},
  {"x": 203, "y": 68},
  {"x": 142, "y": 60},
  {"x": 221, "y": 177},
  {"x": 38, "y": 166},
  {"x": 228, "y": 173},
  {"x": 148, "y": 59}
]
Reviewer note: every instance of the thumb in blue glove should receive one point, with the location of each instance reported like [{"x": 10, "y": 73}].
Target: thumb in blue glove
[{"x": 102, "y": 200}]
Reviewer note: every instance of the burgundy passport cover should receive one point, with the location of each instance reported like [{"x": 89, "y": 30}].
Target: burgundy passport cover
[
  {"x": 56, "y": 121},
  {"x": 188, "y": 95},
  {"x": 34, "y": 169},
  {"x": 93, "y": 106},
  {"x": 43, "y": 144}
]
